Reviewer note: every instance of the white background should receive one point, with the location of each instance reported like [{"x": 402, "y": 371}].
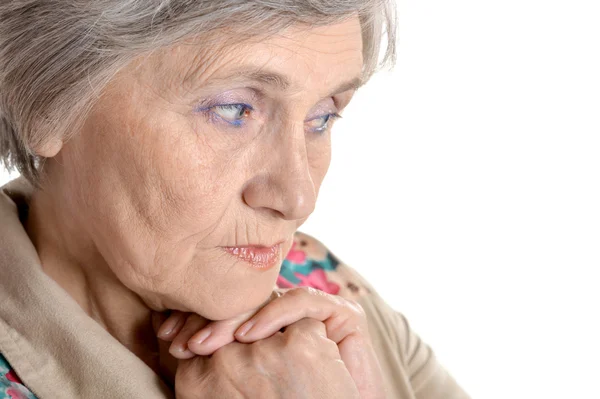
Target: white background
[{"x": 465, "y": 185}]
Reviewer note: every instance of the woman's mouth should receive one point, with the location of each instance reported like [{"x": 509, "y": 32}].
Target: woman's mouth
[{"x": 259, "y": 257}]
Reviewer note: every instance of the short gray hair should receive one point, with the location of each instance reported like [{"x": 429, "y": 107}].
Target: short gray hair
[{"x": 56, "y": 56}]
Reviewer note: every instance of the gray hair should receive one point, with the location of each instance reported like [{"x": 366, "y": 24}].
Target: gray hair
[{"x": 56, "y": 56}]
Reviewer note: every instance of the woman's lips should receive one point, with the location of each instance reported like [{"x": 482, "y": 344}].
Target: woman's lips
[{"x": 259, "y": 257}]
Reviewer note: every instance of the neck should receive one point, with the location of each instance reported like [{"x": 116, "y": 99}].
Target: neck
[{"x": 68, "y": 255}]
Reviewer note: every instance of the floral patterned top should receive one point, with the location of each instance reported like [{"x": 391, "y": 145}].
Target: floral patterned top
[
  {"x": 11, "y": 386},
  {"x": 308, "y": 264}
]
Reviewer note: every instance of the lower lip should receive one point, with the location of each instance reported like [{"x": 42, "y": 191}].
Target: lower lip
[{"x": 258, "y": 257}]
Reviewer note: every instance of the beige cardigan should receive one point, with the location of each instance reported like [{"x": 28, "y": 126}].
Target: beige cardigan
[{"x": 60, "y": 352}]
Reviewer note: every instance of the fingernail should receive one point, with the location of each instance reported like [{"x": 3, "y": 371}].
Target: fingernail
[
  {"x": 243, "y": 330},
  {"x": 166, "y": 329},
  {"x": 179, "y": 351},
  {"x": 200, "y": 337}
]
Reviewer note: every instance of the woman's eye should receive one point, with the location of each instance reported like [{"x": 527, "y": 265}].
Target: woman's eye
[
  {"x": 321, "y": 123},
  {"x": 233, "y": 113}
]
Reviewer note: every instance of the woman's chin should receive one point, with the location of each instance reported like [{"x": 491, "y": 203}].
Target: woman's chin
[
  {"x": 231, "y": 302},
  {"x": 230, "y": 311}
]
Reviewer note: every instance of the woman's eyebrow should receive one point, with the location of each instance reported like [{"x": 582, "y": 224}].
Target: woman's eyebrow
[{"x": 279, "y": 81}]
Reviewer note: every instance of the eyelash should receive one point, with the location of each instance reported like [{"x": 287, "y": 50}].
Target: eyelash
[
  {"x": 246, "y": 109},
  {"x": 216, "y": 118},
  {"x": 328, "y": 118}
]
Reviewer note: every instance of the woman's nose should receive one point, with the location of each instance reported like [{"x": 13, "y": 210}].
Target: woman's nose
[{"x": 286, "y": 185}]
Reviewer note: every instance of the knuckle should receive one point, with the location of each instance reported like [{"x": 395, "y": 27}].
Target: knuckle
[
  {"x": 349, "y": 306},
  {"x": 298, "y": 339},
  {"x": 302, "y": 341},
  {"x": 299, "y": 291},
  {"x": 306, "y": 291},
  {"x": 308, "y": 347},
  {"x": 355, "y": 308}
]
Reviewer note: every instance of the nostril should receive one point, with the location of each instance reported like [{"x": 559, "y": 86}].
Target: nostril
[{"x": 291, "y": 197}]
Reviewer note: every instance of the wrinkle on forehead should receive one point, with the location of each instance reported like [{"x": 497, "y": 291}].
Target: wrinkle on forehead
[{"x": 298, "y": 51}]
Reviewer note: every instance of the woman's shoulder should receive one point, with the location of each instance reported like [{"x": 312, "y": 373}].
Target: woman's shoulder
[
  {"x": 309, "y": 263},
  {"x": 11, "y": 386}
]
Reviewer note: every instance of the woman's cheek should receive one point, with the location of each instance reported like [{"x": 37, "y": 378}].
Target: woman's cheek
[{"x": 319, "y": 163}]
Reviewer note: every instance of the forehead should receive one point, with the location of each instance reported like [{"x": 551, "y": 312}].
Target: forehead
[{"x": 292, "y": 59}]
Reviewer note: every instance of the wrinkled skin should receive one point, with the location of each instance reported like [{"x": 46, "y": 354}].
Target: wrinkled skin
[
  {"x": 162, "y": 176},
  {"x": 344, "y": 322}
]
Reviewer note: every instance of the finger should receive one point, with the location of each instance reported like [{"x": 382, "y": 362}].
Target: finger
[
  {"x": 353, "y": 360},
  {"x": 355, "y": 351},
  {"x": 171, "y": 326},
  {"x": 345, "y": 324},
  {"x": 220, "y": 333},
  {"x": 307, "y": 325},
  {"x": 341, "y": 317},
  {"x": 214, "y": 336},
  {"x": 158, "y": 319},
  {"x": 167, "y": 363},
  {"x": 217, "y": 334},
  {"x": 179, "y": 347},
  {"x": 362, "y": 364}
]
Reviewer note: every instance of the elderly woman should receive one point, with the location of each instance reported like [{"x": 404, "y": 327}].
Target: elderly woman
[{"x": 169, "y": 151}]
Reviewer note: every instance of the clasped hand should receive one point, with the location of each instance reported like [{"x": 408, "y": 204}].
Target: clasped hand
[{"x": 302, "y": 343}]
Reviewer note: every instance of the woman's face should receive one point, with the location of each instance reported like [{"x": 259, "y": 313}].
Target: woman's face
[{"x": 193, "y": 149}]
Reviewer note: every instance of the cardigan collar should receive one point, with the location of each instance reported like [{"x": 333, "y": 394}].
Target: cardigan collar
[{"x": 53, "y": 345}]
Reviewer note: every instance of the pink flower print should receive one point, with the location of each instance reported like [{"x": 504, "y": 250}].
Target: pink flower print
[
  {"x": 318, "y": 279},
  {"x": 16, "y": 394},
  {"x": 296, "y": 256},
  {"x": 12, "y": 376},
  {"x": 282, "y": 282}
]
